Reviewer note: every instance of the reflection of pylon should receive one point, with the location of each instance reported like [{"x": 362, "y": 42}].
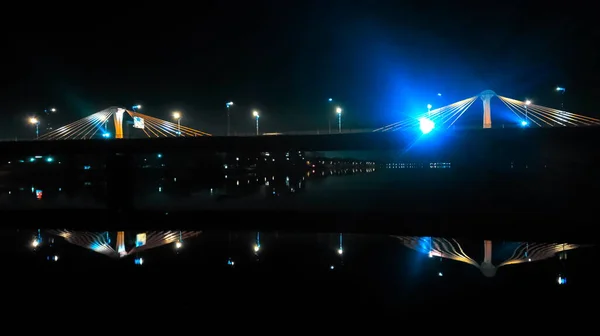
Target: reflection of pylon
[{"x": 121, "y": 241}]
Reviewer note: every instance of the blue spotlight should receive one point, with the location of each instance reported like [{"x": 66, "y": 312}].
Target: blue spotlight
[{"x": 426, "y": 125}]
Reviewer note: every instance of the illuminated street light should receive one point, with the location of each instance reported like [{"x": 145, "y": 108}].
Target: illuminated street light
[
  {"x": 256, "y": 116},
  {"x": 228, "y": 105},
  {"x": 527, "y": 103},
  {"x": 177, "y": 116},
  {"x": 53, "y": 110},
  {"x": 136, "y": 107},
  {"x": 339, "y": 110},
  {"x": 178, "y": 245},
  {"x": 35, "y": 121},
  {"x": 35, "y": 243},
  {"x": 562, "y": 101}
]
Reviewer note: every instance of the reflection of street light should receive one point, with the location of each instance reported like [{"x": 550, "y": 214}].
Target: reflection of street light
[
  {"x": 35, "y": 121},
  {"x": 256, "y": 115},
  {"x": 338, "y": 110},
  {"x": 177, "y": 116}
]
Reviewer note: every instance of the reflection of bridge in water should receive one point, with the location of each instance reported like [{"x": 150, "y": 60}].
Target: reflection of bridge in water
[
  {"x": 451, "y": 249},
  {"x": 101, "y": 241}
]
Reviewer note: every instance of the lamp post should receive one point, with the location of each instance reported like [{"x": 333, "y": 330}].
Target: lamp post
[
  {"x": 527, "y": 103},
  {"x": 256, "y": 116},
  {"x": 330, "y": 100},
  {"x": 562, "y": 99},
  {"x": 35, "y": 121},
  {"x": 177, "y": 116},
  {"x": 338, "y": 110},
  {"x": 229, "y": 105}
]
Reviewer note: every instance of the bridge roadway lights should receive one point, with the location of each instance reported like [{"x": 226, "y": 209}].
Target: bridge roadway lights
[{"x": 426, "y": 125}]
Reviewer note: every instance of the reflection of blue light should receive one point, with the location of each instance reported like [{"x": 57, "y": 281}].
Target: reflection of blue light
[
  {"x": 426, "y": 125},
  {"x": 524, "y": 123}
]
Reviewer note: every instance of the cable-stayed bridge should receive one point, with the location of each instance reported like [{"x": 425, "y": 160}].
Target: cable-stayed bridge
[
  {"x": 99, "y": 124},
  {"x": 528, "y": 113}
]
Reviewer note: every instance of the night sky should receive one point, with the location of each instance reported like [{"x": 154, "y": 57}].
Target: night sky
[{"x": 380, "y": 61}]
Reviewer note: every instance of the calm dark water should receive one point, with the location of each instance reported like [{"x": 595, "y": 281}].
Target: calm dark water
[
  {"x": 343, "y": 189},
  {"x": 255, "y": 269}
]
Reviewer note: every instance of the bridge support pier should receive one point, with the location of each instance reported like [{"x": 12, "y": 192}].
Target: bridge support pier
[{"x": 486, "y": 96}]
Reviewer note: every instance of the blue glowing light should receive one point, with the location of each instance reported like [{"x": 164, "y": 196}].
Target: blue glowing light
[
  {"x": 426, "y": 125},
  {"x": 106, "y": 135},
  {"x": 524, "y": 123}
]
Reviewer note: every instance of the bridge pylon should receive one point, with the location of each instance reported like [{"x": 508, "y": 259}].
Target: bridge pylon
[
  {"x": 486, "y": 96},
  {"x": 118, "y": 117}
]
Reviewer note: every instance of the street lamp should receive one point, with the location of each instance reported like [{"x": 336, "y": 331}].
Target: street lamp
[
  {"x": 429, "y": 109},
  {"x": 527, "y": 103},
  {"x": 338, "y": 110},
  {"x": 35, "y": 121},
  {"x": 255, "y": 114},
  {"x": 177, "y": 116},
  {"x": 228, "y": 105},
  {"x": 562, "y": 100}
]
